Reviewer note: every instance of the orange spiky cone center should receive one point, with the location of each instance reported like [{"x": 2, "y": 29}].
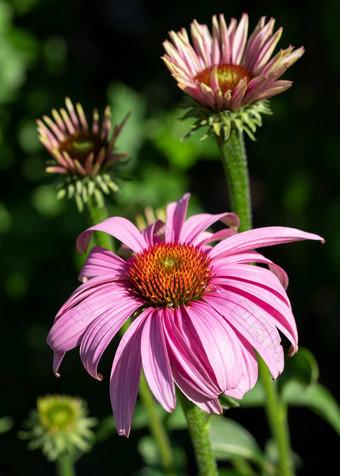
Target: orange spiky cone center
[
  {"x": 228, "y": 76},
  {"x": 170, "y": 274}
]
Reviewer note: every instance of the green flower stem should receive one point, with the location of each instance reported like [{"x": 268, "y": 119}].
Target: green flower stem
[
  {"x": 157, "y": 428},
  {"x": 96, "y": 215},
  {"x": 277, "y": 416},
  {"x": 198, "y": 426},
  {"x": 234, "y": 160},
  {"x": 65, "y": 465}
]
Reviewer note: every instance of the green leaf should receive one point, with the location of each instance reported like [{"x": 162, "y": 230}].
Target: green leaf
[
  {"x": 6, "y": 423},
  {"x": 317, "y": 398},
  {"x": 123, "y": 100},
  {"x": 255, "y": 397},
  {"x": 302, "y": 367},
  {"x": 176, "y": 420},
  {"x": 231, "y": 440}
]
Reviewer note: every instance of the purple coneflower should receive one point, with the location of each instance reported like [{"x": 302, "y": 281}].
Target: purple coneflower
[
  {"x": 225, "y": 70},
  {"x": 82, "y": 154},
  {"x": 77, "y": 148},
  {"x": 198, "y": 312}
]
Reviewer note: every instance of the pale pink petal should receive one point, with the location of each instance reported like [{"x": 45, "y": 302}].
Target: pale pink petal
[
  {"x": 218, "y": 341},
  {"x": 67, "y": 331},
  {"x": 249, "y": 370},
  {"x": 57, "y": 359},
  {"x": 261, "y": 237},
  {"x": 118, "y": 227},
  {"x": 216, "y": 52},
  {"x": 255, "y": 257},
  {"x": 93, "y": 286},
  {"x": 153, "y": 233},
  {"x": 240, "y": 39},
  {"x": 265, "y": 302},
  {"x": 175, "y": 212},
  {"x": 190, "y": 374},
  {"x": 125, "y": 375},
  {"x": 101, "y": 261},
  {"x": 196, "y": 224},
  {"x": 99, "y": 334},
  {"x": 211, "y": 406},
  {"x": 156, "y": 363},
  {"x": 253, "y": 274},
  {"x": 255, "y": 327}
]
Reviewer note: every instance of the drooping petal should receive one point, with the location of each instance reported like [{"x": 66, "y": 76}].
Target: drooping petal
[
  {"x": 156, "y": 363},
  {"x": 255, "y": 328},
  {"x": 118, "y": 227},
  {"x": 101, "y": 261},
  {"x": 125, "y": 375},
  {"x": 154, "y": 232},
  {"x": 249, "y": 370},
  {"x": 255, "y": 257},
  {"x": 175, "y": 212},
  {"x": 93, "y": 286},
  {"x": 99, "y": 334},
  {"x": 57, "y": 359},
  {"x": 196, "y": 224},
  {"x": 67, "y": 331},
  {"x": 253, "y": 274},
  {"x": 260, "y": 237},
  {"x": 191, "y": 375},
  {"x": 211, "y": 406},
  {"x": 218, "y": 341},
  {"x": 266, "y": 303}
]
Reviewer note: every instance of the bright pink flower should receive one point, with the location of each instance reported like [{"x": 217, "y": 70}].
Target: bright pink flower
[
  {"x": 225, "y": 70},
  {"x": 198, "y": 312}
]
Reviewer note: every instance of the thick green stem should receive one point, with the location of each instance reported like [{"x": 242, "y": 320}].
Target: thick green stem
[
  {"x": 200, "y": 436},
  {"x": 95, "y": 215},
  {"x": 157, "y": 428},
  {"x": 277, "y": 416},
  {"x": 234, "y": 160},
  {"x": 65, "y": 465}
]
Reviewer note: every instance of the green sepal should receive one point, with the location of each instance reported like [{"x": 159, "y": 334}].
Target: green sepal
[
  {"x": 82, "y": 188},
  {"x": 246, "y": 119}
]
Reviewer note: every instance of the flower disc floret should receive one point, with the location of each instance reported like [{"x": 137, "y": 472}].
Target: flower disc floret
[
  {"x": 82, "y": 143},
  {"x": 170, "y": 274},
  {"x": 228, "y": 76}
]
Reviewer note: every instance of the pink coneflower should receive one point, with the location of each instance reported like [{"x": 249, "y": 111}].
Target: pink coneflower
[
  {"x": 225, "y": 70},
  {"x": 198, "y": 312},
  {"x": 77, "y": 148}
]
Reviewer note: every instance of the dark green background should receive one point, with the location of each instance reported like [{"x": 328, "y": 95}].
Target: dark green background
[{"x": 87, "y": 50}]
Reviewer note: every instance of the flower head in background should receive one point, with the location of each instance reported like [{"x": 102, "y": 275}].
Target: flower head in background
[
  {"x": 198, "y": 311},
  {"x": 59, "y": 424},
  {"x": 82, "y": 155},
  {"x": 225, "y": 71}
]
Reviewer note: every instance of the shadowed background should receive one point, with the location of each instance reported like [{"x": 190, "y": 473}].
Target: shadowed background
[{"x": 108, "y": 52}]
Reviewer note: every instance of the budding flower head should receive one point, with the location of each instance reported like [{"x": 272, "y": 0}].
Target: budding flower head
[
  {"x": 83, "y": 156},
  {"x": 226, "y": 74},
  {"x": 58, "y": 425}
]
